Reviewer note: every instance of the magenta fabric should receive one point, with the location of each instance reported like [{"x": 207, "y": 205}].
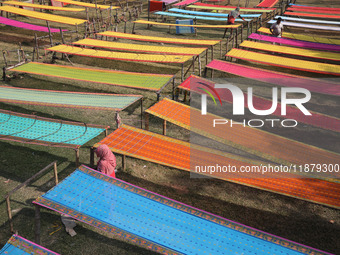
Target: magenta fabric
[
  {"x": 295, "y": 43},
  {"x": 281, "y": 79},
  {"x": 317, "y": 119},
  {"x": 107, "y": 161},
  {"x": 186, "y": 2},
  {"x": 267, "y": 3},
  {"x": 169, "y": 1},
  {"x": 15, "y": 23}
]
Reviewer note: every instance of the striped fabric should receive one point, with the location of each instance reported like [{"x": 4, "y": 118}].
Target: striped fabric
[
  {"x": 18, "y": 245},
  {"x": 124, "y": 56},
  {"x": 43, "y": 16},
  {"x": 35, "y": 130},
  {"x": 102, "y": 101},
  {"x": 301, "y": 37},
  {"x": 141, "y": 144},
  {"x": 147, "y": 81},
  {"x": 140, "y": 47},
  {"x": 160, "y": 39},
  {"x": 303, "y": 65},
  {"x": 44, "y": 7},
  {"x": 291, "y": 50}
]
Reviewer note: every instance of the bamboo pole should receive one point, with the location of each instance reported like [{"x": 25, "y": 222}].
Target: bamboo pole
[
  {"x": 49, "y": 33},
  {"x": 146, "y": 121},
  {"x": 37, "y": 224},
  {"x": 164, "y": 127},
  {"x": 55, "y": 173},
  {"x": 9, "y": 213}
]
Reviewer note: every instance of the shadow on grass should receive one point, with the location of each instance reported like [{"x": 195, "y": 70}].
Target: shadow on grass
[{"x": 20, "y": 163}]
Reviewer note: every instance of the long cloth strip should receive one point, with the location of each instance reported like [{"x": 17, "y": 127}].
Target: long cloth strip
[
  {"x": 252, "y": 140},
  {"x": 44, "y": 131},
  {"x": 18, "y": 245},
  {"x": 267, "y": 3},
  {"x": 302, "y": 37},
  {"x": 301, "y": 9},
  {"x": 167, "y": 2},
  {"x": 329, "y": 22},
  {"x": 183, "y": 25},
  {"x": 140, "y": 47},
  {"x": 159, "y": 39},
  {"x": 314, "y": 7},
  {"x": 192, "y": 83},
  {"x": 156, "y": 222},
  {"x": 295, "y": 43},
  {"x": 314, "y": 15},
  {"x": 291, "y": 50},
  {"x": 100, "y": 101},
  {"x": 303, "y": 65},
  {"x": 19, "y": 24},
  {"x": 186, "y": 2},
  {"x": 186, "y": 16},
  {"x": 147, "y": 81},
  {"x": 45, "y": 7},
  {"x": 212, "y": 14},
  {"x": 124, "y": 56},
  {"x": 227, "y": 8},
  {"x": 181, "y": 155},
  {"x": 78, "y": 3},
  {"x": 43, "y": 16},
  {"x": 303, "y": 25}
]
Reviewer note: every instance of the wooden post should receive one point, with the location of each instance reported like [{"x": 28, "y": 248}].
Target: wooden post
[
  {"x": 212, "y": 53},
  {"x": 221, "y": 48},
  {"x": 4, "y": 73},
  {"x": 141, "y": 113},
  {"x": 199, "y": 65},
  {"x": 206, "y": 55},
  {"x": 193, "y": 64},
  {"x": 9, "y": 213},
  {"x": 164, "y": 127},
  {"x": 146, "y": 121},
  {"x": 173, "y": 88},
  {"x": 55, "y": 173},
  {"x": 92, "y": 149},
  {"x": 124, "y": 162},
  {"x": 37, "y": 224},
  {"x": 4, "y": 55},
  {"x": 49, "y": 33},
  {"x": 182, "y": 73},
  {"x": 96, "y": 9},
  {"x": 133, "y": 28},
  {"x": 110, "y": 14},
  {"x": 77, "y": 157},
  {"x": 242, "y": 33},
  {"x": 185, "y": 96},
  {"x": 87, "y": 14},
  {"x": 248, "y": 22},
  {"x": 101, "y": 16}
]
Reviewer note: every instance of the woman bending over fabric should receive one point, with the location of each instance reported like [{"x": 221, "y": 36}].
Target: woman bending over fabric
[{"x": 107, "y": 161}]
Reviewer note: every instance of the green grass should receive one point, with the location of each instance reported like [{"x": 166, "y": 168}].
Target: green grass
[{"x": 307, "y": 223}]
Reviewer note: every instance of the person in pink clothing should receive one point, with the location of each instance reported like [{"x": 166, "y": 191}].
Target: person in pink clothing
[{"x": 107, "y": 161}]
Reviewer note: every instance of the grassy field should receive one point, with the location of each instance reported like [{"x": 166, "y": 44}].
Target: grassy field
[{"x": 304, "y": 222}]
